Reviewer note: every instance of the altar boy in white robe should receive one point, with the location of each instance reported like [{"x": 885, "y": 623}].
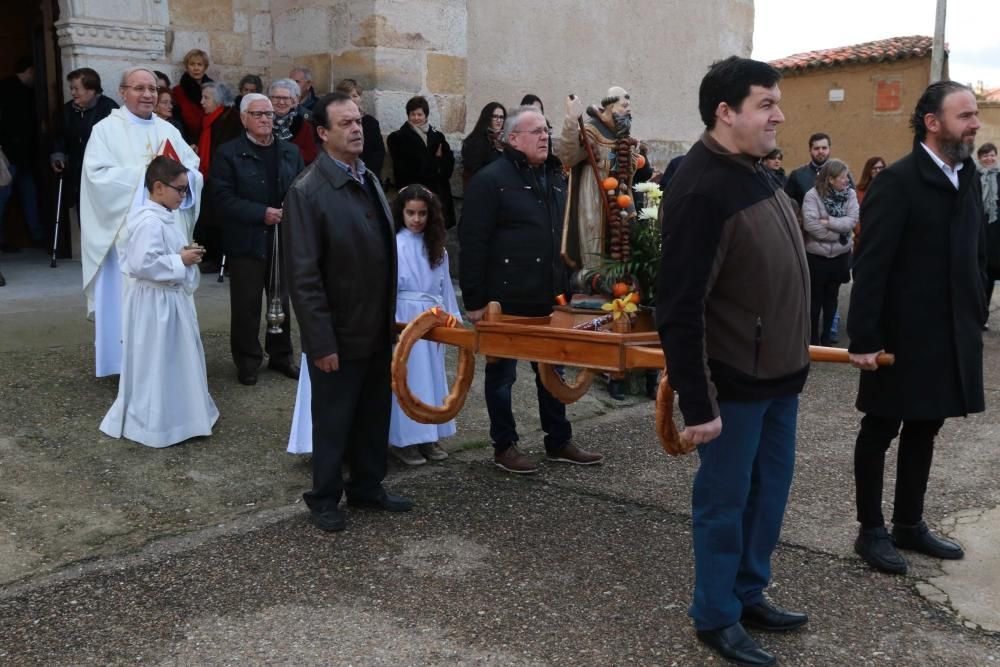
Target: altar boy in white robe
[
  {"x": 120, "y": 148},
  {"x": 163, "y": 390}
]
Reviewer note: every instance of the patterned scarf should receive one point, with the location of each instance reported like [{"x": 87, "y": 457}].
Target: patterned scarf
[
  {"x": 283, "y": 126},
  {"x": 836, "y": 202},
  {"x": 988, "y": 177}
]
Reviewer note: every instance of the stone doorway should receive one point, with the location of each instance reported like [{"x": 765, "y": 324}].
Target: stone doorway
[{"x": 28, "y": 31}]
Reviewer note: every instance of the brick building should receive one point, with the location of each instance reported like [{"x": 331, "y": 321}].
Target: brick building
[{"x": 861, "y": 95}]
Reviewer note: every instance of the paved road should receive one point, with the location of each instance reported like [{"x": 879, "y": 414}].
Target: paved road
[{"x": 111, "y": 553}]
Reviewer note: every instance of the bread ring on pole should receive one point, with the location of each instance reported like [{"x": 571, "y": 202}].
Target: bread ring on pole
[
  {"x": 557, "y": 386},
  {"x": 416, "y": 409},
  {"x": 670, "y": 440}
]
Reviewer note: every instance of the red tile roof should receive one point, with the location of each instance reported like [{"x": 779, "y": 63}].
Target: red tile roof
[
  {"x": 991, "y": 95},
  {"x": 895, "y": 48}
]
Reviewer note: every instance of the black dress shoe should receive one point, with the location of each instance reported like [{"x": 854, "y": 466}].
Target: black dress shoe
[
  {"x": 248, "y": 378},
  {"x": 767, "y": 616},
  {"x": 288, "y": 368},
  {"x": 386, "y": 502},
  {"x": 735, "y": 645},
  {"x": 331, "y": 520},
  {"x": 919, "y": 538},
  {"x": 876, "y": 548},
  {"x": 3, "y": 281}
]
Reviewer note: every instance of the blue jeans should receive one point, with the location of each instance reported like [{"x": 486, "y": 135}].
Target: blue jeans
[
  {"x": 738, "y": 504},
  {"x": 25, "y": 184},
  {"x": 500, "y": 377}
]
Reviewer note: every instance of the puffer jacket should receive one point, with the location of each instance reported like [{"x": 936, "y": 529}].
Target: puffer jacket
[
  {"x": 825, "y": 240},
  {"x": 509, "y": 237}
]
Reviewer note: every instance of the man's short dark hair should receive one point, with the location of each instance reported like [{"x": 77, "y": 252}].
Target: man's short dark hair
[
  {"x": 986, "y": 148},
  {"x": 89, "y": 79},
  {"x": 321, "y": 112},
  {"x": 23, "y": 64},
  {"x": 819, "y": 136},
  {"x": 729, "y": 81},
  {"x": 418, "y": 102},
  {"x": 930, "y": 102},
  {"x": 163, "y": 169},
  {"x": 160, "y": 75}
]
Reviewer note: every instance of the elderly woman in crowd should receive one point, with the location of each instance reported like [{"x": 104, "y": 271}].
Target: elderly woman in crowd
[
  {"x": 79, "y": 115},
  {"x": 483, "y": 145},
  {"x": 288, "y": 125},
  {"x": 829, "y": 213},
  {"x": 421, "y": 154},
  {"x": 165, "y": 108},
  {"x": 250, "y": 83},
  {"x": 221, "y": 123},
  {"x": 187, "y": 93},
  {"x": 373, "y": 154}
]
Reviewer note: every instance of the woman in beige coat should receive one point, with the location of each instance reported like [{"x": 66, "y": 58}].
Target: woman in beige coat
[{"x": 829, "y": 213}]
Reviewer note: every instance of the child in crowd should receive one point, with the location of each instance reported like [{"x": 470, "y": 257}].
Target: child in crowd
[
  {"x": 423, "y": 281},
  {"x": 163, "y": 390}
]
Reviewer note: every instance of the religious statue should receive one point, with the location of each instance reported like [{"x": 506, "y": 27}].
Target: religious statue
[{"x": 597, "y": 147}]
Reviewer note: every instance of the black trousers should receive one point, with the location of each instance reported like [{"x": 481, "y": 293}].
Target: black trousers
[
  {"x": 500, "y": 377},
  {"x": 826, "y": 274},
  {"x": 248, "y": 281},
  {"x": 913, "y": 466},
  {"x": 350, "y": 415}
]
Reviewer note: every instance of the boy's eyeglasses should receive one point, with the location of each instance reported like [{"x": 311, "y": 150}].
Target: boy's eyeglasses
[{"x": 182, "y": 190}]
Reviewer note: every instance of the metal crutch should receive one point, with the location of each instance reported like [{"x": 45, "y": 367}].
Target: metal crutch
[{"x": 55, "y": 239}]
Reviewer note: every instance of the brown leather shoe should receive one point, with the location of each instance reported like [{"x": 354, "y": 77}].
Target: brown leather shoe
[
  {"x": 512, "y": 460},
  {"x": 570, "y": 453}
]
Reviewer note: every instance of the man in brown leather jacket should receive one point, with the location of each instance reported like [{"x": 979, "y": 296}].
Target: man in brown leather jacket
[{"x": 340, "y": 255}]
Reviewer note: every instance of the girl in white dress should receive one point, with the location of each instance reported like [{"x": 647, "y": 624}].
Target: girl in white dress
[
  {"x": 163, "y": 389},
  {"x": 423, "y": 281}
]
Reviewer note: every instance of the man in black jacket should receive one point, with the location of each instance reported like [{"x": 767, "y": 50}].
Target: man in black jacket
[
  {"x": 509, "y": 240},
  {"x": 249, "y": 178},
  {"x": 803, "y": 179},
  {"x": 921, "y": 267},
  {"x": 18, "y": 122},
  {"x": 340, "y": 252},
  {"x": 733, "y": 315}
]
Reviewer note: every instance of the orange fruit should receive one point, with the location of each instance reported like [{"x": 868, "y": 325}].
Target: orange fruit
[
  {"x": 640, "y": 162},
  {"x": 634, "y": 297},
  {"x": 619, "y": 290},
  {"x": 610, "y": 183},
  {"x": 624, "y": 201}
]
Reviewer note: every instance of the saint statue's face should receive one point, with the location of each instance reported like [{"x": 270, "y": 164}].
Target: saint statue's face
[{"x": 623, "y": 107}]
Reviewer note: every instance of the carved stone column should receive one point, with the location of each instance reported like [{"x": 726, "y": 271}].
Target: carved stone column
[{"x": 112, "y": 35}]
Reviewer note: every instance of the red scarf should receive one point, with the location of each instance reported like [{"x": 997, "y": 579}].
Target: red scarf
[{"x": 205, "y": 140}]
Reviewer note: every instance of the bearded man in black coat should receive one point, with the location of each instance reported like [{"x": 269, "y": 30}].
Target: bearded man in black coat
[{"x": 920, "y": 269}]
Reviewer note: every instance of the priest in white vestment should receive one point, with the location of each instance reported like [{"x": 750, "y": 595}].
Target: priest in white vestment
[{"x": 121, "y": 147}]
